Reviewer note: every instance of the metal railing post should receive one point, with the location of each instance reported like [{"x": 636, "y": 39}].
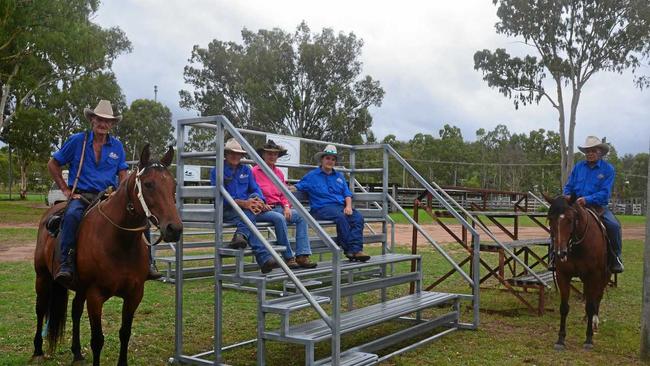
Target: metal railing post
[{"x": 218, "y": 239}]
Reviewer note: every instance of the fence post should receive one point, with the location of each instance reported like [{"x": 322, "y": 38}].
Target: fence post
[{"x": 645, "y": 310}]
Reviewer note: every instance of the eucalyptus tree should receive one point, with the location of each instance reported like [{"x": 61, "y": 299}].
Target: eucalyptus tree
[
  {"x": 304, "y": 84},
  {"x": 50, "y": 43},
  {"x": 572, "y": 40}
]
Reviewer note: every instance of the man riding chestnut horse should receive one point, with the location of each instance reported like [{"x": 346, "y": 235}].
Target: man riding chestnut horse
[
  {"x": 591, "y": 181},
  {"x": 96, "y": 159}
]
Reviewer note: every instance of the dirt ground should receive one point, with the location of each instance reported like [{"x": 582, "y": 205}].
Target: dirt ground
[{"x": 403, "y": 235}]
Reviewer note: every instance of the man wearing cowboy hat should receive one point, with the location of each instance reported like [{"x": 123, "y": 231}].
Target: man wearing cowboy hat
[
  {"x": 591, "y": 181},
  {"x": 104, "y": 165},
  {"x": 331, "y": 199},
  {"x": 281, "y": 212},
  {"x": 240, "y": 183}
]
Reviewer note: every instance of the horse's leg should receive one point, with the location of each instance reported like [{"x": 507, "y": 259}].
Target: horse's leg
[
  {"x": 42, "y": 299},
  {"x": 77, "y": 310},
  {"x": 563, "y": 283},
  {"x": 590, "y": 310},
  {"x": 95, "y": 302},
  {"x": 128, "y": 310}
]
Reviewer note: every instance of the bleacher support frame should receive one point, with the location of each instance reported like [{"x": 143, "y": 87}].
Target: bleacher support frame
[{"x": 332, "y": 325}]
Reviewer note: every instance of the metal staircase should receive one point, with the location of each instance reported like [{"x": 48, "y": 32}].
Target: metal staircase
[{"x": 314, "y": 310}]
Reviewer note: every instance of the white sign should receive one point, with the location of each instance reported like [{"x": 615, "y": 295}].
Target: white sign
[
  {"x": 292, "y": 144},
  {"x": 191, "y": 173}
]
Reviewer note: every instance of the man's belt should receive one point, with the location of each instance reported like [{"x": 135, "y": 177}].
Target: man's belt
[{"x": 89, "y": 196}]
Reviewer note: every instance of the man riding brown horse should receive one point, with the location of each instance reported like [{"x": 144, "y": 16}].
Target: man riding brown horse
[
  {"x": 96, "y": 159},
  {"x": 591, "y": 182}
]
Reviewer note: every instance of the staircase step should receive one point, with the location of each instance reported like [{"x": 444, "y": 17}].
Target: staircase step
[
  {"x": 529, "y": 279},
  {"x": 306, "y": 283},
  {"x": 285, "y": 305},
  {"x": 351, "y": 359},
  {"x": 227, "y": 252},
  {"x": 318, "y": 330},
  {"x": 324, "y": 267}
]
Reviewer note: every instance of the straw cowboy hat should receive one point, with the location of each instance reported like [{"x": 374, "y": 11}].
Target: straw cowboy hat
[
  {"x": 104, "y": 110},
  {"x": 593, "y": 141},
  {"x": 329, "y": 150},
  {"x": 234, "y": 146},
  {"x": 273, "y": 147}
]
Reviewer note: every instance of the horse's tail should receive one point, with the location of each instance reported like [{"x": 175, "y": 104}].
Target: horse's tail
[{"x": 57, "y": 310}]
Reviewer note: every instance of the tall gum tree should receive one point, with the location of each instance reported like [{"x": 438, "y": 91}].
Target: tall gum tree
[
  {"x": 573, "y": 39},
  {"x": 50, "y": 43},
  {"x": 303, "y": 83}
]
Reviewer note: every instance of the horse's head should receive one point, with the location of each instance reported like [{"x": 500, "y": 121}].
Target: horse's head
[
  {"x": 155, "y": 190},
  {"x": 562, "y": 219}
]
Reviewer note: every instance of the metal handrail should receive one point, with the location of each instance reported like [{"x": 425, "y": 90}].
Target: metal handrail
[
  {"x": 276, "y": 256},
  {"x": 429, "y": 188},
  {"x": 448, "y": 198},
  {"x": 433, "y": 242},
  {"x": 334, "y": 322},
  {"x": 493, "y": 237}
]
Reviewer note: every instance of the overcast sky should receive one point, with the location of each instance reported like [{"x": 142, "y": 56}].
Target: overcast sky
[{"x": 421, "y": 52}]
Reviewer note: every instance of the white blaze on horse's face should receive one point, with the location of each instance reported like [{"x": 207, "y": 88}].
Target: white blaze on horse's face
[{"x": 562, "y": 233}]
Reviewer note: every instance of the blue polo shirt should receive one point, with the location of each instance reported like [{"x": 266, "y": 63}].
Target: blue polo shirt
[
  {"x": 593, "y": 183},
  {"x": 95, "y": 176},
  {"x": 239, "y": 182},
  {"x": 324, "y": 189}
]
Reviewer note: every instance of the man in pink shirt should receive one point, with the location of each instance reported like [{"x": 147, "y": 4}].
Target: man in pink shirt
[{"x": 281, "y": 212}]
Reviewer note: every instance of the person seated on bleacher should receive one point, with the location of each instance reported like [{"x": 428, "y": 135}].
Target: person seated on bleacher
[
  {"x": 281, "y": 212},
  {"x": 240, "y": 184},
  {"x": 331, "y": 199}
]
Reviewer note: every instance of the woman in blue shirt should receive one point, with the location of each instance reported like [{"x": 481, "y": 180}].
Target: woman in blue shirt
[{"x": 331, "y": 199}]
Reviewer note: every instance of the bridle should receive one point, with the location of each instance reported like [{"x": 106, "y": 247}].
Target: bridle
[
  {"x": 576, "y": 239},
  {"x": 130, "y": 208}
]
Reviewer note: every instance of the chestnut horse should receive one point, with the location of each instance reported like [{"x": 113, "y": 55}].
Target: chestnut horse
[
  {"x": 111, "y": 257},
  {"x": 580, "y": 247}
]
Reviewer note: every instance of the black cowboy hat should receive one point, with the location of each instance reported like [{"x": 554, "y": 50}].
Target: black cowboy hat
[{"x": 270, "y": 145}]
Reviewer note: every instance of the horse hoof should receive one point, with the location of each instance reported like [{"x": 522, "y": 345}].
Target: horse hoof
[
  {"x": 37, "y": 360},
  {"x": 588, "y": 346},
  {"x": 559, "y": 347}
]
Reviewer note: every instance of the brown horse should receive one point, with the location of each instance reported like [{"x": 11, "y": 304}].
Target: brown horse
[
  {"x": 580, "y": 247},
  {"x": 111, "y": 260}
]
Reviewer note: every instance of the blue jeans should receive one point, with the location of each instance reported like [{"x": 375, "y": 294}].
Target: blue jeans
[
  {"x": 349, "y": 229},
  {"x": 276, "y": 216},
  {"x": 613, "y": 231},
  {"x": 71, "y": 220},
  {"x": 230, "y": 216}
]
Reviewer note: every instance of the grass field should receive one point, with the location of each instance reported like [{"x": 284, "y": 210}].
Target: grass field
[
  {"x": 508, "y": 333},
  {"x": 523, "y": 220}
]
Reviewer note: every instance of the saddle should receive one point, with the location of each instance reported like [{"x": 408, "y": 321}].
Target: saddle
[{"x": 55, "y": 220}]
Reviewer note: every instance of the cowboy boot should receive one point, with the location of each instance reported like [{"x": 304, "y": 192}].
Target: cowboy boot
[
  {"x": 616, "y": 264},
  {"x": 269, "y": 265},
  {"x": 358, "y": 256},
  {"x": 238, "y": 241},
  {"x": 153, "y": 272},
  {"x": 64, "y": 276},
  {"x": 304, "y": 262},
  {"x": 291, "y": 263}
]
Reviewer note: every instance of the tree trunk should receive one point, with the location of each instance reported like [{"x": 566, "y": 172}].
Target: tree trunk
[
  {"x": 563, "y": 141},
  {"x": 572, "y": 126},
  {"x": 23, "y": 178}
]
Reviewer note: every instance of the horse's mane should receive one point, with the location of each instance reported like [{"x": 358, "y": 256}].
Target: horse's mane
[{"x": 558, "y": 206}]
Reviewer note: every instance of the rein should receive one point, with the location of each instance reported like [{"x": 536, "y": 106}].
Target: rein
[{"x": 575, "y": 239}]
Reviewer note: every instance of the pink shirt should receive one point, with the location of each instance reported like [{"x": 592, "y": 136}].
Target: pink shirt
[{"x": 269, "y": 190}]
